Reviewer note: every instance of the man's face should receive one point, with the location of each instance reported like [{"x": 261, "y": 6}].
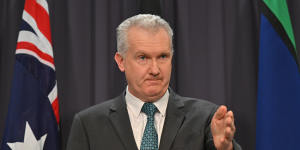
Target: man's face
[{"x": 147, "y": 63}]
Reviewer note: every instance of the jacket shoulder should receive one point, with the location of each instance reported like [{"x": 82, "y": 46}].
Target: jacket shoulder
[
  {"x": 98, "y": 110},
  {"x": 196, "y": 104}
]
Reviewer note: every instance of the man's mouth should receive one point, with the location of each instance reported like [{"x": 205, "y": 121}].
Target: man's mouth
[{"x": 153, "y": 81}]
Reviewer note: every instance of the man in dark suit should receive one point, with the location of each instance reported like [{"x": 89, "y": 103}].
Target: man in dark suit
[{"x": 148, "y": 115}]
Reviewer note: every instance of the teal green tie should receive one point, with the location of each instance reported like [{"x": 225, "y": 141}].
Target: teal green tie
[{"x": 150, "y": 139}]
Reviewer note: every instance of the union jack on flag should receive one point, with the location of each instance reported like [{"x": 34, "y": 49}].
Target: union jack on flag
[{"x": 32, "y": 121}]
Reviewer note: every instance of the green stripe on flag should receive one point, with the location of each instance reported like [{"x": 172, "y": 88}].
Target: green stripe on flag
[{"x": 280, "y": 10}]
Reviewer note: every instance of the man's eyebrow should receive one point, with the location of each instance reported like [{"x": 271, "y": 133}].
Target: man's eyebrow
[
  {"x": 140, "y": 52},
  {"x": 166, "y": 53}
]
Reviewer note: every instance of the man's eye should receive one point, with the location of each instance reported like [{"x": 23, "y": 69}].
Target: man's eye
[
  {"x": 163, "y": 56},
  {"x": 142, "y": 57}
]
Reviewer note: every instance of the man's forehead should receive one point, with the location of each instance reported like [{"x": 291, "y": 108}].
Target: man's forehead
[{"x": 146, "y": 41}]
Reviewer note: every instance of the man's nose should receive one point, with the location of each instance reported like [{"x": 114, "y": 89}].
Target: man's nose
[{"x": 154, "y": 68}]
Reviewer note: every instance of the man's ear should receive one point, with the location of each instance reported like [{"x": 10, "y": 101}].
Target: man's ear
[{"x": 120, "y": 61}]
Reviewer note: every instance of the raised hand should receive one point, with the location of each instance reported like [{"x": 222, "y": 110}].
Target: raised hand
[{"x": 223, "y": 129}]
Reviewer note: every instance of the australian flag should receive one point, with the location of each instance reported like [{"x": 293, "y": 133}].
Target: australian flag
[{"x": 33, "y": 120}]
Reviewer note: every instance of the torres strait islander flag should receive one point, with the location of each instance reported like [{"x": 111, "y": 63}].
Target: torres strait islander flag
[
  {"x": 278, "y": 97},
  {"x": 32, "y": 121}
]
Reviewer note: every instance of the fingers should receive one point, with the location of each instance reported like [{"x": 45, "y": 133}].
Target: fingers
[
  {"x": 220, "y": 113},
  {"x": 229, "y": 119},
  {"x": 226, "y": 141},
  {"x": 229, "y": 133},
  {"x": 229, "y": 126},
  {"x": 229, "y": 114},
  {"x": 223, "y": 128}
]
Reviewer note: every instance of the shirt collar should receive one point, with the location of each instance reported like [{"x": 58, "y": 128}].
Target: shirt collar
[{"x": 135, "y": 104}]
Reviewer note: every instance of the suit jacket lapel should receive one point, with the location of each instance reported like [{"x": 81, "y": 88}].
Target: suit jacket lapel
[
  {"x": 120, "y": 120},
  {"x": 173, "y": 121}
]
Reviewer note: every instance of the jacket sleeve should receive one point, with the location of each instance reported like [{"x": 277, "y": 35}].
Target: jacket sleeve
[
  {"x": 78, "y": 139},
  {"x": 236, "y": 146}
]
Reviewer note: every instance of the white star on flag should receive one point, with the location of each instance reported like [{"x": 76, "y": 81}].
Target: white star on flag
[{"x": 30, "y": 141}]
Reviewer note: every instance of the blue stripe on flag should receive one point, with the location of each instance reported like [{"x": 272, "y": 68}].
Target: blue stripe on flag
[{"x": 278, "y": 122}]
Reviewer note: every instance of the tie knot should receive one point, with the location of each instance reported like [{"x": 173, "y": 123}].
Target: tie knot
[{"x": 149, "y": 109}]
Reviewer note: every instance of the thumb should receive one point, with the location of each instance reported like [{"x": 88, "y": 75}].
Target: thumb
[{"x": 220, "y": 113}]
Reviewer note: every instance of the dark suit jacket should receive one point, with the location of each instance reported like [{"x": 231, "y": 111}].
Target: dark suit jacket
[{"x": 106, "y": 126}]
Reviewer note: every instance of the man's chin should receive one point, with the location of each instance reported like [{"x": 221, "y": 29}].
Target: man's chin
[{"x": 154, "y": 95}]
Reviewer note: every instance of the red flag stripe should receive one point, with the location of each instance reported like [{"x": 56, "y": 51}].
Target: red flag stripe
[
  {"x": 33, "y": 48},
  {"x": 41, "y": 17},
  {"x": 40, "y": 42},
  {"x": 44, "y": 4},
  {"x": 55, "y": 109}
]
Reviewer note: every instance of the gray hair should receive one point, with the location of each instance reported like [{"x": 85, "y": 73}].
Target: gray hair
[{"x": 145, "y": 21}]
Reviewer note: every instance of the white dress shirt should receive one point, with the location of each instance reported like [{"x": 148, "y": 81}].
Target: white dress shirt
[{"x": 138, "y": 119}]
